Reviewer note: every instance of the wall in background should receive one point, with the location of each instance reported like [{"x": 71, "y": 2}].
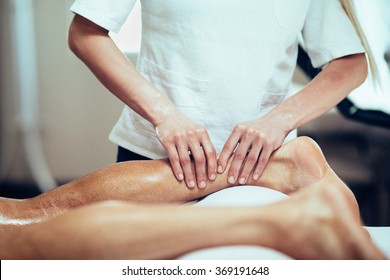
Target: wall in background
[{"x": 77, "y": 113}]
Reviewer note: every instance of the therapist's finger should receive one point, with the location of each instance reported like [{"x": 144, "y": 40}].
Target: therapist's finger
[
  {"x": 175, "y": 161},
  {"x": 211, "y": 157},
  {"x": 185, "y": 162},
  {"x": 249, "y": 163},
  {"x": 262, "y": 162},
  {"x": 227, "y": 151},
  {"x": 238, "y": 160},
  {"x": 200, "y": 165}
]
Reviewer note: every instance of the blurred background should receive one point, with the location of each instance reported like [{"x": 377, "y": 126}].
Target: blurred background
[{"x": 55, "y": 116}]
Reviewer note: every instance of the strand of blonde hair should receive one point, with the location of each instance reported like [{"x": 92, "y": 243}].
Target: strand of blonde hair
[{"x": 349, "y": 8}]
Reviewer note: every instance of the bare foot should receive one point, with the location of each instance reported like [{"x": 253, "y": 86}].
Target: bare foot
[
  {"x": 324, "y": 223},
  {"x": 295, "y": 165}
]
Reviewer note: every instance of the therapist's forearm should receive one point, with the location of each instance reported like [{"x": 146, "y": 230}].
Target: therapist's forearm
[
  {"x": 95, "y": 48},
  {"x": 325, "y": 91},
  {"x": 177, "y": 133}
]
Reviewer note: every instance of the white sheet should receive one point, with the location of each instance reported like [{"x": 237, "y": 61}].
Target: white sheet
[
  {"x": 381, "y": 237},
  {"x": 252, "y": 196}
]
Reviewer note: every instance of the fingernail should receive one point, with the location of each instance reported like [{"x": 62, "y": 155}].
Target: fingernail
[
  {"x": 180, "y": 176},
  {"x": 242, "y": 181},
  {"x": 256, "y": 177},
  {"x": 192, "y": 184},
  {"x": 202, "y": 185},
  {"x": 220, "y": 169},
  {"x": 231, "y": 180},
  {"x": 213, "y": 177}
]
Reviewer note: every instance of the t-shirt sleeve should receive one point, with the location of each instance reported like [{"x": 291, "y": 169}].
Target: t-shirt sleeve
[
  {"x": 328, "y": 33},
  {"x": 109, "y": 14}
]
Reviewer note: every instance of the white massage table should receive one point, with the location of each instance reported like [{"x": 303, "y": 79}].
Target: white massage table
[{"x": 254, "y": 196}]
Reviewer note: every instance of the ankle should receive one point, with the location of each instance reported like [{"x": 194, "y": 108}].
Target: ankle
[{"x": 15, "y": 208}]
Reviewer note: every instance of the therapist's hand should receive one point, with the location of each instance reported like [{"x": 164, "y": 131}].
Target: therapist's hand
[
  {"x": 252, "y": 144},
  {"x": 181, "y": 136}
]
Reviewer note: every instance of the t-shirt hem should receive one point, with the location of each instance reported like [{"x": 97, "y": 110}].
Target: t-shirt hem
[
  {"x": 99, "y": 19},
  {"x": 327, "y": 56},
  {"x": 134, "y": 148}
]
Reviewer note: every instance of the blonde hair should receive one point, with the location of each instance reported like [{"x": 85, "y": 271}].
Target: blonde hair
[{"x": 351, "y": 12}]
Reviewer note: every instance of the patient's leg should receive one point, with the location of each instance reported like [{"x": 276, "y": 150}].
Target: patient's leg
[
  {"x": 295, "y": 165},
  {"x": 318, "y": 223}
]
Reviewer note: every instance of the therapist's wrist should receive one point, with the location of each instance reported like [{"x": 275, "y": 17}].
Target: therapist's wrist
[
  {"x": 152, "y": 105},
  {"x": 283, "y": 121},
  {"x": 162, "y": 111}
]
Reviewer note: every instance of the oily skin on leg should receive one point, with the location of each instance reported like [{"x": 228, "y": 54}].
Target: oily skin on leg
[
  {"x": 289, "y": 169},
  {"x": 317, "y": 223}
]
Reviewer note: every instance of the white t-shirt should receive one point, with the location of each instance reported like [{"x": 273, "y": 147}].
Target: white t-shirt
[{"x": 222, "y": 61}]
